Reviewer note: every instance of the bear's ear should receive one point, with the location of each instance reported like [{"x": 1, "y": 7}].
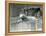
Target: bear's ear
[{"x": 38, "y": 8}]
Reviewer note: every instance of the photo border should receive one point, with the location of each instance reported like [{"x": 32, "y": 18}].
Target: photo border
[{"x": 7, "y": 17}]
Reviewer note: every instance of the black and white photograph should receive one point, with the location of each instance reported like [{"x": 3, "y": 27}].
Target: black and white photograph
[{"x": 25, "y": 17}]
